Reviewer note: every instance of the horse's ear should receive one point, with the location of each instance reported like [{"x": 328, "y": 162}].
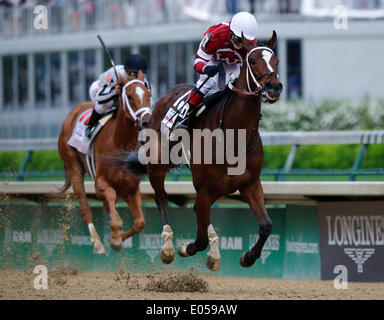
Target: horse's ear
[
  {"x": 140, "y": 75},
  {"x": 272, "y": 42}
]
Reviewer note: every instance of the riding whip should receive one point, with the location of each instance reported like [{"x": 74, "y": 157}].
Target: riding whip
[{"x": 109, "y": 56}]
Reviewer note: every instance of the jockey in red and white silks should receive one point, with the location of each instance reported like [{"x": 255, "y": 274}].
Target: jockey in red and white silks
[
  {"x": 222, "y": 42},
  {"x": 105, "y": 91}
]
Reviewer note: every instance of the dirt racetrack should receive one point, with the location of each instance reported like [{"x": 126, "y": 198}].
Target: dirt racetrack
[{"x": 68, "y": 283}]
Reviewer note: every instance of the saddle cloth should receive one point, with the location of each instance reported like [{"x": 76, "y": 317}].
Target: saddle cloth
[
  {"x": 81, "y": 142},
  {"x": 177, "y": 110}
]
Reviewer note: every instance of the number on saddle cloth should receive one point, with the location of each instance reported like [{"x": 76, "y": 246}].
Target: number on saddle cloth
[{"x": 178, "y": 109}]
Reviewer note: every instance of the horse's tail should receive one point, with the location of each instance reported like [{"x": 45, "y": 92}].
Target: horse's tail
[
  {"x": 130, "y": 162},
  {"x": 67, "y": 182}
]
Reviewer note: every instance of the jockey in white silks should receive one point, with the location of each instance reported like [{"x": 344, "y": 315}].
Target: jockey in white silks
[{"x": 105, "y": 91}]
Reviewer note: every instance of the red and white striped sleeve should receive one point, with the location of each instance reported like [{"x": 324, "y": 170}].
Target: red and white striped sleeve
[
  {"x": 201, "y": 60},
  {"x": 202, "y": 56}
]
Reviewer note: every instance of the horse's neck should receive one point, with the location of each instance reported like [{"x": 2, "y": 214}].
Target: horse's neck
[
  {"x": 242, "y": 112},
  {"x": 124, "y": 130}
]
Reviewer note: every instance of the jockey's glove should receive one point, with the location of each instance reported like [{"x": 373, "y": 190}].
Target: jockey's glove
[{"x": 211, "y": 70}]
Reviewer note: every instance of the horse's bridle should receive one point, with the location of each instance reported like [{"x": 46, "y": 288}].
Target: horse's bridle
[
  {"x": 138, "y": 114},
  {"x": 259, "y": 88}
]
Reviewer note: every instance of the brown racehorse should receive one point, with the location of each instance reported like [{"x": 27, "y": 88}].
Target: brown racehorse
[
  {"x": 119, "y": 133},
  {"x": 258, "y": 80}
]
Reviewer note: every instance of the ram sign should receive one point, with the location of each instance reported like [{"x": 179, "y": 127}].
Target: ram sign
[{"x": 352, "y": 234}]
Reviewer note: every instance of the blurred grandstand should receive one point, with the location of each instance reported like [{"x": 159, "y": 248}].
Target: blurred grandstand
[{"x": 44, "y": 73}]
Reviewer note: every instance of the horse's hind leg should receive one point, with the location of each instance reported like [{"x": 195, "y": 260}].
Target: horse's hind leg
[
  {"x": 156, "y": 178},
  {"x": 76, "y": 175},
  {"x": 109, "y": 196},
  {"x": 134, "y": 204},
  {"x": 253, "y": 194}
]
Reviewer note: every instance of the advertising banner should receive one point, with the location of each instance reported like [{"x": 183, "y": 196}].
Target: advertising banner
[
  {"x": 54, "y": 235},
  {"x": 352, "y": 235}
]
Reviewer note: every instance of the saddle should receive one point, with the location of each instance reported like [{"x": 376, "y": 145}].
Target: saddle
[{"x": 81, "y": 142}]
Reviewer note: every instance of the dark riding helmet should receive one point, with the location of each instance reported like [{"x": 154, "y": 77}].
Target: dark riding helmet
[{"x": 136, "y": 62}]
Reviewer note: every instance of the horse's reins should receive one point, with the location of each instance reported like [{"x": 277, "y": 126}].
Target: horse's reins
[{"x": 134, "y": 114}]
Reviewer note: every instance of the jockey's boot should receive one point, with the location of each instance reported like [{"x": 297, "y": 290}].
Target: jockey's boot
[
  {"x": 194, "y": 101},
  {"x": 93, "y": 120}
]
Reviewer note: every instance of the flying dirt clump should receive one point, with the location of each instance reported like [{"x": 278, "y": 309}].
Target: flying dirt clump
[{"x": 188, "y": 281}]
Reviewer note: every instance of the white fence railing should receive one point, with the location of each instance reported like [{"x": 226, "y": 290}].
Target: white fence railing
[
  {"x": 293, "y": 138},
  {"x": 274, "y": 192}
]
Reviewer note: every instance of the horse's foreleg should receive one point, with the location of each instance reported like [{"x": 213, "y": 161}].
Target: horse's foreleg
[
  {"x": 109, "y": 196},
  {"x": 253, "y": 194},
  {"x": 76, "y": 175},
  {"x": 205, "y": 232},
  {"x": 213, "y": 261},
  {"x": 134, "y": 204},
  {"x": 156, "y": 178}
]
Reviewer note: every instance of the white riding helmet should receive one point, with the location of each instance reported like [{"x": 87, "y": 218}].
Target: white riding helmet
[{"x": 244, "y": 23}]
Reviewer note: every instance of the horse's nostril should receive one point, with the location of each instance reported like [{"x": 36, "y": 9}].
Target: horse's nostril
[
  {"x": 144, "y": 125},
  {"x": 274, "y": 87},
  {"x": 269, "y": 86}
]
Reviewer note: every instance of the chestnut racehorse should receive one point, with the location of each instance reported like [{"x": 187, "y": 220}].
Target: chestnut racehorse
[
  {"x": 119, "y": 133},
  {"x": 258, "y": 80}
]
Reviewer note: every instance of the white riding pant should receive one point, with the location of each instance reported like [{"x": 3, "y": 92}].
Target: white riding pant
[
  {"x": 94, "y": 90},
  {"x": 212, "y": 85}
]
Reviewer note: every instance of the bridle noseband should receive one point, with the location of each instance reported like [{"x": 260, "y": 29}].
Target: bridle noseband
[{"x": 138, "y": 114}]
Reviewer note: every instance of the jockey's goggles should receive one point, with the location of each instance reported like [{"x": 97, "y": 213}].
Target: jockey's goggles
[
  {"x": 134, "y": 73},
  {"x": 236, "y": 39}
]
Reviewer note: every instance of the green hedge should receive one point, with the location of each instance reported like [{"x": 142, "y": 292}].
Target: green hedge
[
  {"x": 308, "y": 157},
  {"x": 326, "y": 115},
  {"x": 40, "y": 161}
]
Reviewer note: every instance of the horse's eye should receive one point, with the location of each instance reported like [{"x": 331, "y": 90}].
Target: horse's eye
[{"x": 252, "y": 61}]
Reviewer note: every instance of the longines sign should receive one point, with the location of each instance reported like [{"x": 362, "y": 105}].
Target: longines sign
[{"x": 352, "y": 234}]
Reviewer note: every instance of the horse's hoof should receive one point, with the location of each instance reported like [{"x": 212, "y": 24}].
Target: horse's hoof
[
  {"x": 167, "y": 258},
  {"x": 117, "y": 246},
  {"x": 246, "y": 260},
  {"x": 182, "y": 250},
  {"x": 213, "y": 264},
  {"x": 98, "y": 248}
]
